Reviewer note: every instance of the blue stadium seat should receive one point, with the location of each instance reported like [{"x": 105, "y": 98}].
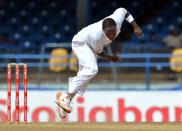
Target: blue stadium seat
[
  {"x": 37, "y": 22},
  {"x": 33, "y": 23}
]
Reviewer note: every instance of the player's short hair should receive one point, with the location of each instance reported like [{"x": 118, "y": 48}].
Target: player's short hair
[{"x": 108, "y": 22}]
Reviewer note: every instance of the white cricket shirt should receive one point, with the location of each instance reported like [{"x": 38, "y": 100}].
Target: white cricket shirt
[{"x": 93, "y": 34}]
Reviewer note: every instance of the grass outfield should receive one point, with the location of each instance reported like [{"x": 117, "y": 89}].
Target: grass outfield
[{"x": 92, "y": 127}]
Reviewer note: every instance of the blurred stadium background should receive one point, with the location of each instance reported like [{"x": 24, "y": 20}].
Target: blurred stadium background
[{"x": 147, "y": 79}]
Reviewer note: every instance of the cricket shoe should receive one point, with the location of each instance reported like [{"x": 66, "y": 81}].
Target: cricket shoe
[
  {"x": 61, "y": 112},
  {"x": 63, "y": 101}
]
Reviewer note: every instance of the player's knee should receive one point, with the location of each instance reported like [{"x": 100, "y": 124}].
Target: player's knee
[{"x": 93, "y": 71}]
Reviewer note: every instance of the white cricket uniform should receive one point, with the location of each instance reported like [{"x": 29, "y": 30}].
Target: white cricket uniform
[{"x": 86, "y": 44}]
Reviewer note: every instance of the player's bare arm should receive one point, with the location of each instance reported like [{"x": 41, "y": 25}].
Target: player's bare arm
[
  {"x": 137, "y": 30},
  {"x": 113, "y": 58}
]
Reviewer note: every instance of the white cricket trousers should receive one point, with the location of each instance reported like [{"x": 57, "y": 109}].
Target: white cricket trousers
[{"x": 87, "y": 68}]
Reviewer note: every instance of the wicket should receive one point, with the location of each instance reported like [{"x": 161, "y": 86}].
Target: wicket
[{"x": 17, "y": 84}]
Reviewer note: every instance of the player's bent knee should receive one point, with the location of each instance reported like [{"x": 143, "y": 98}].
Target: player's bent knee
[{"x": 93, "y": 71}]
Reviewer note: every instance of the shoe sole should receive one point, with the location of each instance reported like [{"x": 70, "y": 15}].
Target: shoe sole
[
  {"x": 58, "y": 95},
  {"x": 59, "y": 110},
  {"x": 61, "y": 105}
]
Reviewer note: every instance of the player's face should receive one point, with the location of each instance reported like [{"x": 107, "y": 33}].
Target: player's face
[{"x": 110, "y": 32}]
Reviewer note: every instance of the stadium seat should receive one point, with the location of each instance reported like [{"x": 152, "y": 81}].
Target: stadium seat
[
  {"x": 37, "y": 21},
  {"x": 59, "y": 52}
]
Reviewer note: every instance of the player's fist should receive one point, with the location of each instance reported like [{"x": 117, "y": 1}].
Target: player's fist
[
  {"x": 138, "y": 31},
  {"x": 113, "y": 58}
]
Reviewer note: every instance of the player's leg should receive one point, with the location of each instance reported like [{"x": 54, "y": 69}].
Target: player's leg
[{"x": 87, "y": 70}]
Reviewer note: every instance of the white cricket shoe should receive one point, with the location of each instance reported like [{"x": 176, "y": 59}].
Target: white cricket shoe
[
  {"x": 63, "y": 102},
  {"x": 61, "y": 112}
]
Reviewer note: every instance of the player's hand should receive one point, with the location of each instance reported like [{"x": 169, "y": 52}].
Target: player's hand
[
  {"x": 138, "y": 31},
  {"x": 113, "y": 58}
]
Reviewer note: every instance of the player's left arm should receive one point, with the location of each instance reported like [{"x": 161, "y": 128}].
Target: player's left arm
[
  {"x": 113, "y": 58},
  {"x": 137, "y": 29}
]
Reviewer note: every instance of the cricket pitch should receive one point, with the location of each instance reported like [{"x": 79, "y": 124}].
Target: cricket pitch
[{"x": 92, "y": 127}]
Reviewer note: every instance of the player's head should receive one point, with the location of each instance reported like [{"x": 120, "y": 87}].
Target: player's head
[{"x": 109, "y": 28}]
